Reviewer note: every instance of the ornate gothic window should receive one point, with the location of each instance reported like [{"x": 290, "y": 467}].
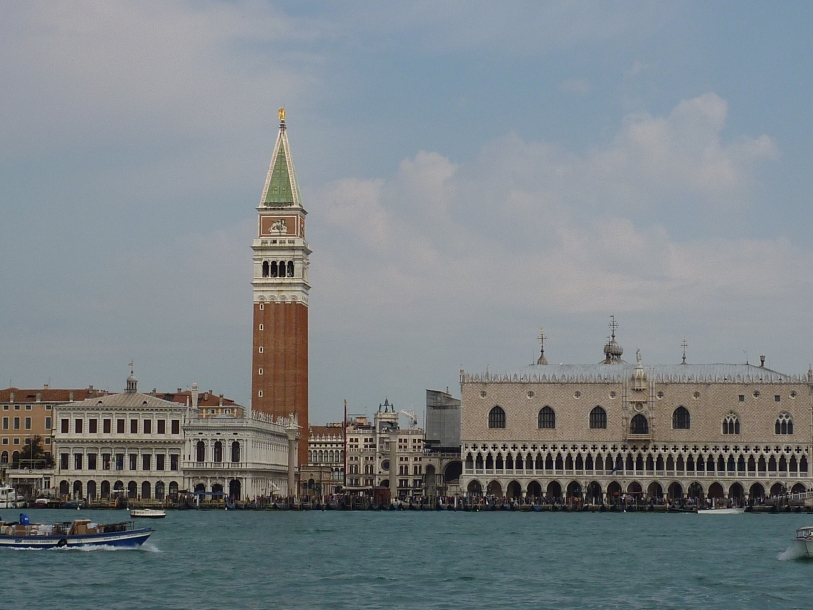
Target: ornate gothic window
[
  {"x": 681, "y": 420},
  {"x": 639, "y": 425},
  {"x": 731, "y": 424},
  {"x": 547, "y": 418},
  {"x": 784, "y": 424},
  {"x": 598, "y": 418},
  {"x": 496, "y": 417}
]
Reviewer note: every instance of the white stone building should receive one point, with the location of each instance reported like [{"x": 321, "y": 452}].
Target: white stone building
[
  {"x": 240, "y": 457},
  {"x": 597, "y": 431},
  {"x": 128, "y": 444}
]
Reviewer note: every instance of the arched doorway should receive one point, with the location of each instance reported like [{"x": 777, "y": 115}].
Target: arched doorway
[
  {"x": 217, "y": 488},
  {"x": 474, "y": 488},
  {"x": 514, "y": 490},
  {"x": 777, "y": 489},
  {"x": 234, "y": 489},
  {"x": 160, "y": 492},
  {"x": 146, "y": 490},
  {"x": 64, "y": 488},
  {"x": 494, "y": 489},
  {"x": 554, "y": 490},
  {"x": 118, "y": 486},
  {"x": 696, "y": 490},
  {"x": 173, "y": 490},
  {"x": 453, "y": 471},
  {"x": 797, "y": 489},
  {"x": 715, "y": 491},
  {"x": 757, "y": 491},
  {"x": 594, "y": 493},
  {"x": 736, "y": 491},
  {"x": 92, "y": 490},
  {"x": 674, "y": 491},
  {"x": 200, "y": 488},
  {"x": 105, "y": 489},
  {"x": 77, "y": 489},
  {"x": 614, "y": 492},
  {"x": 574, "y": 491},
  {"x": 534, "y": 490},
  {"x": 132, "y": 489},
  {"x": 655, "y": 490}
]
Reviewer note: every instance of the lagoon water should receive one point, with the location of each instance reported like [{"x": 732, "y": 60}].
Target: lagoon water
[{"x": 406, "y": 559}]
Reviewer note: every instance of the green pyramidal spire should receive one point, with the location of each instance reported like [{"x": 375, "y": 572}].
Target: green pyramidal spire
[{"x": 281, "y": 186}]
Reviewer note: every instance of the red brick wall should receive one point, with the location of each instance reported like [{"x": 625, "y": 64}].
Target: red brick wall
[{"x": 284, "y": 361}]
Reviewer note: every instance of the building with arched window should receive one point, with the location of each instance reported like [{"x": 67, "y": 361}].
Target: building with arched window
[
  {"x": 150, "y": 446},
  {"x": 714, "y": 430},
  {"x": 128, "y": 444},
  {"x": 242, "y": 457}
]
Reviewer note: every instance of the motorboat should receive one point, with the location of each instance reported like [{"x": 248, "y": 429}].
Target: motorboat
[
  {"x": 23, "y": 534},
  {"x": 9, "y": 498},
  {"x": 721, "y": 511},
  {"x": 148, "y": 513},
  {"x": 804, "y": 540}
]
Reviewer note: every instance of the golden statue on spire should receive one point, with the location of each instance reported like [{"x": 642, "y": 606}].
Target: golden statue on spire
[{"x": 281, "y": 112}]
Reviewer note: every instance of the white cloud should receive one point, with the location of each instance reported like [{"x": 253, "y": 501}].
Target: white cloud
[
  {"x": 87, "y": 71},
  {"x": 529, "y": 226}
]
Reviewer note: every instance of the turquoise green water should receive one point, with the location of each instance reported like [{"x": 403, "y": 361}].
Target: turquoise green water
[{"x": 411, "y": 559}]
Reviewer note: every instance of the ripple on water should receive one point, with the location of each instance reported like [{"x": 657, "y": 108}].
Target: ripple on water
[{"x": 437, "y": 559}]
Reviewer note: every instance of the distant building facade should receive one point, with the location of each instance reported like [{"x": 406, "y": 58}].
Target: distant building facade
[
  {"x": 29, "y": 413},
  {"x": 598, "y": 431},
  {"x": 127, "y": 444},
  {"x": 380, "y": 454},
  {"x": 240, "y": 457},
  {"x": 150, "y": 446}
]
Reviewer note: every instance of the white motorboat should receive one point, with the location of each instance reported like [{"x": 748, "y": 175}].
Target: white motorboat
[
  {"x": 9, "y": 498},
  {"x": 721, "y": 511},
  {"x": 804, "y": 540},
  {"x": 23, "y": 534},
  {"x": 147, "y": 513}
]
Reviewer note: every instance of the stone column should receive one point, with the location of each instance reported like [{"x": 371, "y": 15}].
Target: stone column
[
  {"x": 394, "y": 465},
  {"x": 292, "y": 430}
]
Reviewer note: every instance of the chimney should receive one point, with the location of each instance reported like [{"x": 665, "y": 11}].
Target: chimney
[
  {"x": 194, "y": 395},
  {"x": 39, "y": 396},
  {"x": 70, "y": 396},
  {"x": 762, "y": 362},
  {"x": 220, "y": 402}
]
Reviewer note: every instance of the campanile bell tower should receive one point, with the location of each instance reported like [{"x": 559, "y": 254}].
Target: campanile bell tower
[{"x": 279, "y": 380}]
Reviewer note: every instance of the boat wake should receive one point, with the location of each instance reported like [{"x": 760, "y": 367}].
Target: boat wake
[
  {"x": 147, "y": 547},
  {"x": 792, "y": 553}
]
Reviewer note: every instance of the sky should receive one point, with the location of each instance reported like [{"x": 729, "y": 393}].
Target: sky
[{"x": 472, "y": 172}]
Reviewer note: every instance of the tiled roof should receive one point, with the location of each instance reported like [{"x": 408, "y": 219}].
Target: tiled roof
[
  {"x": 127, "y": 401},
  {"x": 49, "y": 394}
]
